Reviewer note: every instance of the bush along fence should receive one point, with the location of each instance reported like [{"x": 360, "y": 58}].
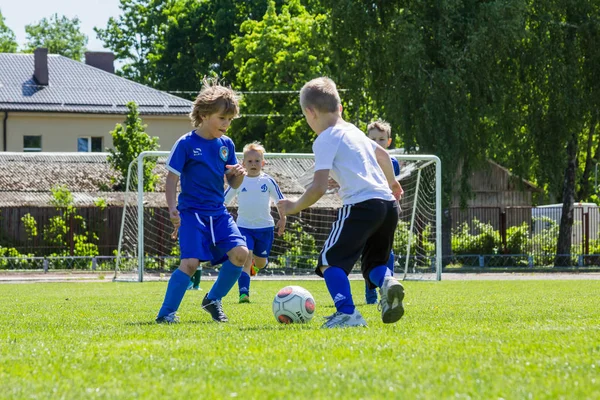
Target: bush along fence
[{"x": 67, "y": 237}]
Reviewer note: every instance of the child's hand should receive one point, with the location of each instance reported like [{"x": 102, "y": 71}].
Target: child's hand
[
  {"x": 176, "y": 221},
  {"x": 281, "y": 226},
  {"x": 286, "y": 207},
  {"x": 235, "y": 170},
  {"x": 397, "y": 190}
]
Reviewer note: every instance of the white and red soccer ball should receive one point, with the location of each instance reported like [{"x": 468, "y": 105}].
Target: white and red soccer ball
[{"x": 293, "y": 304}]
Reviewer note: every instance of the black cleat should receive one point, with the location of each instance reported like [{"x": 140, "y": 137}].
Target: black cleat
[{"x": 215, "y": 309}]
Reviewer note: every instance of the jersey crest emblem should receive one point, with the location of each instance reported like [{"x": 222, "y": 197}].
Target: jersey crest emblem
[
  {"x": 224, "y": 153},
  {"x": 263, "y": 188}
]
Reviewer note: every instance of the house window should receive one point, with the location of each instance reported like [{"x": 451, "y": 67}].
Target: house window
[
  {"x": 32, "y": 143},
  {"x": 90, "y": 144}
]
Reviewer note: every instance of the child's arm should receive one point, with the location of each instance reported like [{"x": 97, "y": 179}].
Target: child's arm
[
  {"x": 171, "y": 195},
  {"x": 315, "y": 191},
  {"x": 281, "y": 223},
  {"x": 276, "y": 195},
  {"x": 235, "y": 175},
  {"x": 383, "y": 159}
]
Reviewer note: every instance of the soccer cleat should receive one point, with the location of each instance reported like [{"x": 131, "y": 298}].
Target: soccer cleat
[
  {"x": 341, "y": 320},
  {"x": 244, "y": 298},
  {"x": 195, "y": 288},
  {"x": 168, "y": 319},
  {"x": 253, "y": 270},
  {"x": 392, "y": 294},
  {"x": 371, "y": 296},
  {"x": 190, "y": 285},
  {"x": 215, "y": 309}
]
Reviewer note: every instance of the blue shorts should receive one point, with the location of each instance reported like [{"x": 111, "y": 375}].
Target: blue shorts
[
  {"x": 259, "y": 241},
  {"x": 208, "y": 238}
]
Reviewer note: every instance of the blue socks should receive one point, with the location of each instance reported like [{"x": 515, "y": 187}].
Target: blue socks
[
  {"x": 390, "y": 263},
  {"x": 339, "y": 288},
  {"x": 228, "y": 276},
  {"x": 244, "y": 283},
  {"x": 378, "y": 274},
  {"x": 176, "y": 288}
]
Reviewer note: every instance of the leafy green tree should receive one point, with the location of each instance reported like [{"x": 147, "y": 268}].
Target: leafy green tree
[
  {"x": 60, "y": 35},
  {"x": 136, "y": 37},
  {"x": 279, "y": 53},
  {"x": 436, "y": 71},
  {"x": 171, "y": 45},
  {"x": 8, "y": 42},
  {"x": 129, "y": 140}
]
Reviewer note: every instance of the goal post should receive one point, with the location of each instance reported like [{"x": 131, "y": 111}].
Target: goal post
[{"x": 145, "y": 242}]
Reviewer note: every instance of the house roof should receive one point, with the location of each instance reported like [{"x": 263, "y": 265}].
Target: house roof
[
  {"x": 27, "y": 178},
  {"x": 75, "y": 87}
]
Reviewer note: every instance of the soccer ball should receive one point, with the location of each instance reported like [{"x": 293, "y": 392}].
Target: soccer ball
[{"x": 293, "y": 304}]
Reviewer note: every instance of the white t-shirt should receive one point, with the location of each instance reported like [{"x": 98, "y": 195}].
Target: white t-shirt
[
  {"x": 350, "y": 156},
  {"x": 254, "y": 201}
]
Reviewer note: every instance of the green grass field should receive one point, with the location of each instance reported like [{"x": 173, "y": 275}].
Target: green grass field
[{"x": 460, "y": 340}]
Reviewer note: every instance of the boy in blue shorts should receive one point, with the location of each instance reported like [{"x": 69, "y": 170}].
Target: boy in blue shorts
[
  {"x": 367, "y": 220},
  {"x": 206, "y": 230},
  {"x": 381, "y": 133},
  {"x": 254, "y": 214}
]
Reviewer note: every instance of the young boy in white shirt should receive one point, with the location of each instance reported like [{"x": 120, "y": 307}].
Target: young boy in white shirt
[
  {"x": 367, "y": 221},
  {"x": 254, "y": 218}
]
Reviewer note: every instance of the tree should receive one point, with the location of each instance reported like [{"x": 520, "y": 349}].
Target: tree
[
  {"x": 437, "y": 71},
  {"x": 171, "y": 45},
  {"x": 8, "y": 43},
  {"x": 128, "y": 142},
  {"x": 59, "y": 35},
  {"x": 279, "y": 53}
]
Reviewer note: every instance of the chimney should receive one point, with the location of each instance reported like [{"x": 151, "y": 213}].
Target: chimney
[
  {"x": 40, "y": 72},
  {"x": 104, "y": 60}
]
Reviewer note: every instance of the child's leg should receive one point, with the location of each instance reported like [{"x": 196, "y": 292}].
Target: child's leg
[
  {"x": 260, "y": 262},
  {"x": 370, "y": 294},
  {"x": 390, "y": 263},
  {"x": 196, "y": 279},
  {"x": 177, "y": 286},
  {"x": 338, "y": 286},
  {"x": 244, "y": 279},
  {"x": 229, "y": 273}
]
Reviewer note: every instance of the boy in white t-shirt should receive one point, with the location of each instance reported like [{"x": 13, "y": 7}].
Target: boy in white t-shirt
[
  {"x": 367, "y": 220},
  {"x": 254, "y": 214}
]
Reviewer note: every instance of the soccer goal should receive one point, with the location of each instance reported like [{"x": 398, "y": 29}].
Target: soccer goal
[{"x": 146, "y": 242}]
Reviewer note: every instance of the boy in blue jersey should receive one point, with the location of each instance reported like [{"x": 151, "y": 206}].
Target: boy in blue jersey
[
  {"x": 206, "y": 230},
  {"x": 254, "y": 213},
  {"x": 381, "y": 133},
  {"x": 366, "y": 222}
]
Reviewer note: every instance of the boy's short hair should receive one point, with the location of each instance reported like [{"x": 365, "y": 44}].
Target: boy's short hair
[
  {"x": 382, "y": 126},
  {"x": 254, "y": 146},
  {"x": 214, "y": 98},
  {"x": 320, "y": 94}
]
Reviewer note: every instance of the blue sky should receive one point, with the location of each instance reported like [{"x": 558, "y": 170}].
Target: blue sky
[{"x": 91, "y": 13}]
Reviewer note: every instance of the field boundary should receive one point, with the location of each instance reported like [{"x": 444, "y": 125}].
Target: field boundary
[{"x": 106, "y": 276}]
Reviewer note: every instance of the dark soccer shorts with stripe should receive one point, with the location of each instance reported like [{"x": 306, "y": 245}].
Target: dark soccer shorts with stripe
[{"x": 364, "y": 230}]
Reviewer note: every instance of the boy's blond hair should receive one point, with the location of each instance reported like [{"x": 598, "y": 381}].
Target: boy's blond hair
[
  {"x": 214, "y": 98},
  {"x": 382, "y": 126},
  {"x": 254, "y": 146},
  {"x": 321, "y": 95}
]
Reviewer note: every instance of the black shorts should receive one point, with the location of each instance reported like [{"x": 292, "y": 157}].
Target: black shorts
[{"x": 364, "y": 230}]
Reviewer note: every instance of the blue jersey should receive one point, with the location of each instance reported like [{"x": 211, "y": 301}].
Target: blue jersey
[
  {"x": 396, "y": 166},
  {"x": 200, "y": 164}
]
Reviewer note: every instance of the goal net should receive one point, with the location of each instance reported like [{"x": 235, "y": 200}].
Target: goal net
[{"x": 146, "y": 243}]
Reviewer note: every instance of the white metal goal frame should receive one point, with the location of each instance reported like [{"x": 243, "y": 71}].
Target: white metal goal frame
[{"x": 419, "y": 180}]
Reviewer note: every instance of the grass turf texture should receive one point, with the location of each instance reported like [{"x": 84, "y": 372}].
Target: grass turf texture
[{"x": 472, "y": 339}]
